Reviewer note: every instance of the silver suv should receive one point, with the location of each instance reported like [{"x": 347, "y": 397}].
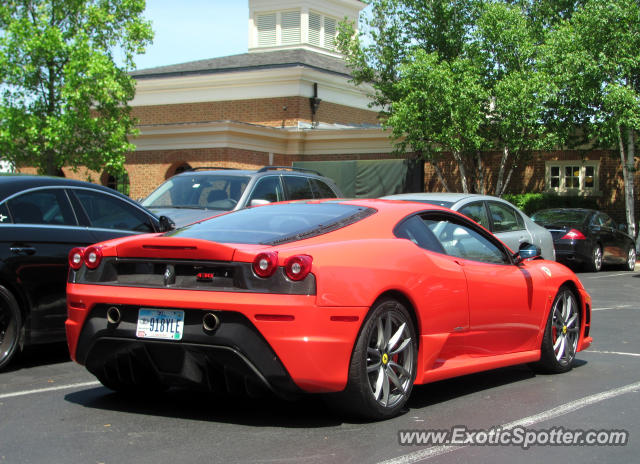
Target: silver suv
[{"x": 204, "y": 192}]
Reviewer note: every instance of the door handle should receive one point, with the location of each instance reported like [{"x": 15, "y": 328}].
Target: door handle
[{"x": 23, "y": 250}]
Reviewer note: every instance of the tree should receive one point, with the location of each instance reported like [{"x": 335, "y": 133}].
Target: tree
[
  {"x": 442, "y": 107},
  {"x": 506, "y": 47},
  {"x": 594, "y": 58},
  {"x": 454, "y": 76},
  {"x": 64, "y": 101},
  {"x": 391, "y": 38}
]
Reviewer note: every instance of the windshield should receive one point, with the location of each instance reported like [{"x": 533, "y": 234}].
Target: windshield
[
  {"x": 275, "y": 224},
  {"x": 560, "y": 217},
  {"x": 221, "y": 192}
]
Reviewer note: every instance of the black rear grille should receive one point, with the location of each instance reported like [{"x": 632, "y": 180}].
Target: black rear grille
[{"x": 218, "y": 276}]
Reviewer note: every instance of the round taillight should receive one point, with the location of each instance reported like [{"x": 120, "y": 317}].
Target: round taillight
[
  {"x": 298, "y": 267},
  {"x": 265, "y": 264},
  {"x": 75, "y": 258},
  {"x": 92, "y": 257}
]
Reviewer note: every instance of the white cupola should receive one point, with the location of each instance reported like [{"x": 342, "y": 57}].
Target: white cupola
[{"x": 310, "y": 24}]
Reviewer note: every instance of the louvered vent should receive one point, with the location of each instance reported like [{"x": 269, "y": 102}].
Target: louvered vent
[
  {"x": 329, "y": 33},
  {"x": 267, "y": 30},
  {"x": 290, "y": 23},
  {"x": 315, "y": 29}
]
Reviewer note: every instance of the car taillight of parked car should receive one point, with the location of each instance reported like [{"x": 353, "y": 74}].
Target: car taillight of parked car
[
  {"x": 265, "y": 264},
  {"x": 90, "y": 256},
  {"x": 76, "y": 257},
  {"x": 574, "y": 234},
  {"x": 298, "y": 267}
]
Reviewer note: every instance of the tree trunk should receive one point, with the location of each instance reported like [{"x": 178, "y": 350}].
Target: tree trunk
[
  {"x": 440, "y": 175},
  {"x": 480, "y": 187},
  {"x": 627, "y": 155},
  {"x": 500, "y": 184},
  {"x": 463, "y": 171},
  {"x": 50, "y": 163}
]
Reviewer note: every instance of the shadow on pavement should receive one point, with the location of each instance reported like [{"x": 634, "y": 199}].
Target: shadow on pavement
[
  {"x": 39, "y": 355},
  {"x": 307, "y": 411}
]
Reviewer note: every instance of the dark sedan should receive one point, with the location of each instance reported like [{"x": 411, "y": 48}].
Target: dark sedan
[
  {"x": 41, "y": 220},
  {"x": 588, "y": 238}
]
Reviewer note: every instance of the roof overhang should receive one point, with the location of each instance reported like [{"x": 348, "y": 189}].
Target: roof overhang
[
  {"x": 285, "y": 81},
  {"x": 237, "y": 135}
]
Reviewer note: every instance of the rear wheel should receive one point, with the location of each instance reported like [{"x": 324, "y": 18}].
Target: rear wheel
[
  {"x": 630, "y": 265},
  {"x": 561, "y": 334},
  {"x": 383, "y": 364},
  {"x": 596, "y": 259},
  {"x": 10, "y": 327}
]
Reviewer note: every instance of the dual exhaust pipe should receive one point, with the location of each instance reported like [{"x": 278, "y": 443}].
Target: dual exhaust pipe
[{"x": 210, "y": 321}]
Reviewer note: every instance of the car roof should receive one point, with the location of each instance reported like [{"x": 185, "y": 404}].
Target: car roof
[
  {"x": 13, "y": 183},
  {"x": 585, "y": 210},
  {"x": 452, "y": 197},
  {"x": 249, "y": 172}
]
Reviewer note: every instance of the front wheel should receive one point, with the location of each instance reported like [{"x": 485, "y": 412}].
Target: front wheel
[
  {"x": 383, "y": 364},
  {"x": 10, "y": 327},
  {"x": 561, "y": 334}
]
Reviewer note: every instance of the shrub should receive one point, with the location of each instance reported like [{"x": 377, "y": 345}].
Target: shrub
[{"x": 529, "y": 203}]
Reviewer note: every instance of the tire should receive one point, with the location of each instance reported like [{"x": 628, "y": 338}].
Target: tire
[
  {"x": 10, "y": 327},
  {"x": 383, "y": 364},
  {"x": 561, "y": 334},
  {"x": 630, "y": 265},
  {"x": 595, "y": 264}
]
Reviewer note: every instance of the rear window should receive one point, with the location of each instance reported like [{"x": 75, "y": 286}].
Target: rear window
[
  {"x": 560, "y": 217},
  {"x": 275, "y": 224}
]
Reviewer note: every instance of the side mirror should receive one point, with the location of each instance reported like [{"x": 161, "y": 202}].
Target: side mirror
[
  {"x": 166, "y": 224},
  {"x": 527, "y": 252},
  {"x": 622, "y": 227},
  {"x": 258, "y": 202}
]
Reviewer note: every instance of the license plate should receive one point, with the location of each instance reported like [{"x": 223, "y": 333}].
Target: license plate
[{"x": 160, "y": 323}]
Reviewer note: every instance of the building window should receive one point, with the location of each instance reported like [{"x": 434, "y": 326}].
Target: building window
[
  {"x": 572, "y": 176},
  {"x": 119, "y": 182}
]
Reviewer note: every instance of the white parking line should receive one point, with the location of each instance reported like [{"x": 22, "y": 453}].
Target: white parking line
[
  {"x": 609, "y": 275},
  {"x": 48, "y": 389},
  {"x": 612, "y": 307},
  {"x": 567, "y": 408},
  {"x": 614, "y": 352}
]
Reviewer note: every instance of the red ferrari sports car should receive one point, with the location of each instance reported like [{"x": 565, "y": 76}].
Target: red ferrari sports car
[{"x": 361, "y": 298}]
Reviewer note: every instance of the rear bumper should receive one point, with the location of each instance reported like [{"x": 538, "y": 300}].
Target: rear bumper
[
  {"x": 284, "y": 342},
  {"x": 573, "y": 251}
]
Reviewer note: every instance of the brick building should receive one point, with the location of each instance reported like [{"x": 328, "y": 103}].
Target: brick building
[{"x": 289, "y": 99}]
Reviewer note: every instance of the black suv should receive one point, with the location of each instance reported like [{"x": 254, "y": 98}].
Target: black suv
[
  {"x": 41, "y": 220},
  {"x": 204, "y": 192}
]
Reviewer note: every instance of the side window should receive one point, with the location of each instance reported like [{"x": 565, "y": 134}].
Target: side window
[
  {"x": 463, "y": 242},
  {"x": 108, "y": 212},
  {"x": 607, "y": 221},
  {"x": 415, "y": 229},
  {"x": 477, "y": 212},
  {"x": 267, "y": 188},
  {"x": 49, "y": 206},
  {"x": 298, "y": 188},
  {"x": 505, "y": 218},
  {"x": 321, "y": 190}
]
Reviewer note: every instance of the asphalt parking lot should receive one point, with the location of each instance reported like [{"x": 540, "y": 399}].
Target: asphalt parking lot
[{"x": 53, "y": 411}]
